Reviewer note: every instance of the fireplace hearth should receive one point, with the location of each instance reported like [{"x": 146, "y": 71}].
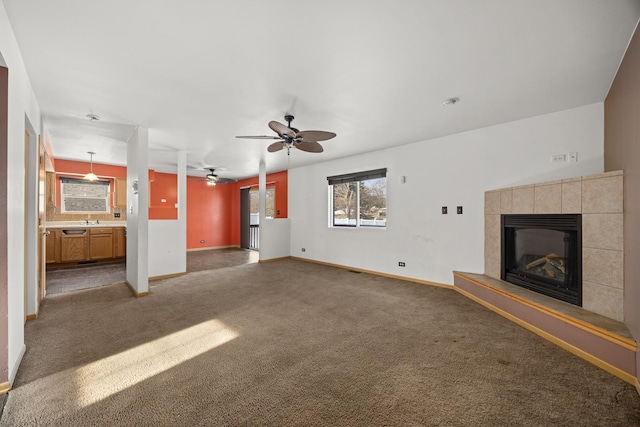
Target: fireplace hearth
[{"x": 543, "y": 253}]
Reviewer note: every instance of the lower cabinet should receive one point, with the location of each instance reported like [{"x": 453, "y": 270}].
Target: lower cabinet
[
  {"x": 100, "y": 243},
  {"x": 65, "y": 246},
  {"x": 119, "y": 242},
  {"x": 73, "y": 245}
]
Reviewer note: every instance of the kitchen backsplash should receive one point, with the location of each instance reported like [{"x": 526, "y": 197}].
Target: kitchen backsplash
[{"x": 54, "y": 214}]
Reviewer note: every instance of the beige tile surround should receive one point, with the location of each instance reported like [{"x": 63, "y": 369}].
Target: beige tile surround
[{"x": 600, "y": 201}]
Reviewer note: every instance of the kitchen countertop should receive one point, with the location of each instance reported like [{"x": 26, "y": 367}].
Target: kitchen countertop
[{"x": 82, "y": 224}]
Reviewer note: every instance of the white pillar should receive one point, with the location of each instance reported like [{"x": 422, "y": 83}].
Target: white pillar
[
  {"x": 138, "y": 211},
  {"x": 182, "y": 210},
  {"x": 262, "y": 203}
]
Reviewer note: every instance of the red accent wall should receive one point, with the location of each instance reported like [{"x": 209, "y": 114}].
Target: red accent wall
[
  {"x": 164, "y": 186},
  {"x": 208, "y": 214},
  {"x": 213, "y": 213}
]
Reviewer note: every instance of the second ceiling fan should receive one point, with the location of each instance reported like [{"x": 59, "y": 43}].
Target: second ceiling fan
[
  {"x": 213, "y": 179},
  {"x": 288, "y": 137}
]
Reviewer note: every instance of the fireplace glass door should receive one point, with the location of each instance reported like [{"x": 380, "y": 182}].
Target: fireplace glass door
[{"x": 542, "y": 253}]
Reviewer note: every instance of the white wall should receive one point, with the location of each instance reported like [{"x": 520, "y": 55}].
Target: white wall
[
  {"x": 22, "y": 105},
  {"x": 450, "y": 171},
  {"x": 167, "y": 247},
  {"x": 275, "y": 239}
]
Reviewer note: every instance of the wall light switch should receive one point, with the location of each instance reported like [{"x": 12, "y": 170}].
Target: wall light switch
[
  {"x": 459, "y": 210},
  {"x": 444, "y": 210}
]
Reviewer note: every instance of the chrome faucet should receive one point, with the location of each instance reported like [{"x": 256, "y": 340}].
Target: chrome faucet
[
  {"x": 86, "y": 221},
  {"x": 97, "y": 221}
]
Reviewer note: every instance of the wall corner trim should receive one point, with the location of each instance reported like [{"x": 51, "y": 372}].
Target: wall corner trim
[
  {"x": 134, "y": 292},
  {"x": 5, "y": 387}
]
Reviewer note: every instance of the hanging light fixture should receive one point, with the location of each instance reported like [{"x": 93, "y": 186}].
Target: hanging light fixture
[{"x": 91, "y": 176}]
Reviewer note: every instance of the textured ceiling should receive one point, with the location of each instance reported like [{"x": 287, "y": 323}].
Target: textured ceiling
[{"x": 197, "y": 73}]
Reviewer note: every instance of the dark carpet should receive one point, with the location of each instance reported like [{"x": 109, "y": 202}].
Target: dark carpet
[{"x": 293, "y": 343}]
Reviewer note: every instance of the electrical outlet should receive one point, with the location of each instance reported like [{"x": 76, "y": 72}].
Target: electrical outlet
[
  {"x": 202, "y": 241},
  {"x": 572, "y": 157},
  {"x": 304, "y": 250},
  {"x": 558, "y": 158},
  {"x": 401, "y": 264},
  {"x": 459, "y": 210},
  {"x": 116, "y": 214},
  {"x": 444, "y": 210}
]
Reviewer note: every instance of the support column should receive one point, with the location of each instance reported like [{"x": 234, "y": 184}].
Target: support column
[
  {"x": 262, "y": 203},
  {"x": 182, "y": 209},
  {"x": 138, "y": 212}
]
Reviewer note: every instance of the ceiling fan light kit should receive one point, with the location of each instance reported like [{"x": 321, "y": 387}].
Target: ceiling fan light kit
[
  {"x": 213, "y": 179},
  {"x": 290, "y": 137}
]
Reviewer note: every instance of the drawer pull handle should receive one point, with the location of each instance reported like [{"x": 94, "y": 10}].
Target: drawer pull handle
[{"x": 74, "y": 231}]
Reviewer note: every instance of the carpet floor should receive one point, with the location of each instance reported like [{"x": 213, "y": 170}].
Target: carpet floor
[{"x": 294, "y": 343}]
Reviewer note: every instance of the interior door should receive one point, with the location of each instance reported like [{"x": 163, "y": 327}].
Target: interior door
[
  {"x": 245, "y": 218},
  {"x": 42, "y": 222}
]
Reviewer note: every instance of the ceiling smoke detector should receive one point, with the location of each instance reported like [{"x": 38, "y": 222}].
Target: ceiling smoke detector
[
  {"x": 450, "y": 101},
  {"x": 93, "y": 117}
]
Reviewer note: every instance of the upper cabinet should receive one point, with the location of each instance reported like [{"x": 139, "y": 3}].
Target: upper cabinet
[
  {"x": 50, "y": 188},
  {"x": 120, "y": 199}
]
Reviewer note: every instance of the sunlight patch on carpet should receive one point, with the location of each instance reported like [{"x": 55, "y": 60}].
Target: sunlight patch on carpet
[{"x": 106, "y": 377}]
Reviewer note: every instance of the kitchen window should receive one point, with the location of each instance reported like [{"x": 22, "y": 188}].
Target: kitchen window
[
  {"x": 358, "y": 199},
  {"x": 80, "y": 196}
]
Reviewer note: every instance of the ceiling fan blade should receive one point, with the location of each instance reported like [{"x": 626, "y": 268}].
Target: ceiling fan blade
[
  {"x": 309, "y": 146},
  {"x": 315, "y": 135},
  {"x": 281, "y": 129},
  {"x": 276, "y": 146},
  {"x": 259, "y": 137},
  {"x": 225, "y": 180}
]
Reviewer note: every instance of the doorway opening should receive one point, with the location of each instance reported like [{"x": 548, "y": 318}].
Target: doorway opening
[{"x": 250, "y": 215}]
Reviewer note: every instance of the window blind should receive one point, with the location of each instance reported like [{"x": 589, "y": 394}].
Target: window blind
[{"x": 357, "y": 176}]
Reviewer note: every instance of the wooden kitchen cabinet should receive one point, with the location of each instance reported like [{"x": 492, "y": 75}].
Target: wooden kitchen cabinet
[
  {"x": 70, "y": 246},
  {"x": 73, "y": 245},
  {"x": 120, "y": 199},
  {"x": 100, "y": 243},
  {"x": 50, "y": 188},
  {"x": 119, "y": 242},
  {"x": 53, "y": 246}
]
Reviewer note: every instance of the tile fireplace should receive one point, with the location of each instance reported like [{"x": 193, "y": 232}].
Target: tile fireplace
[{"x": 598, "y": 199}]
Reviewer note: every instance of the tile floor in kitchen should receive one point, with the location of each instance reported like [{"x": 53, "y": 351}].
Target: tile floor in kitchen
[{"x": 72, "y": 279}]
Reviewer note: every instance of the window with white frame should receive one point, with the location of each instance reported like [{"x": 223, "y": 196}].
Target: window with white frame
[
  {"x": 81, "y": 196},
  {"x": 359, "y": 199}
]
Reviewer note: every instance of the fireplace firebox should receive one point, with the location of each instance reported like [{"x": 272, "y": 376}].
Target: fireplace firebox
[{"x": 543, "y": 253}]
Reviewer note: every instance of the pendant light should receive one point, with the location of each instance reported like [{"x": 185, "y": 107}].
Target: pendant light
[{"x": 91, "y": 176}]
